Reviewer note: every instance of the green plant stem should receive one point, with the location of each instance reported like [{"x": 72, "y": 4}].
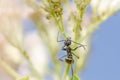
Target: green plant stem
[
  {"x": 61, "y": 28},
  {"x": 66, "y": 71},
  {"x": 59, "y": 22},
  {"x": 9, "y": 69}
]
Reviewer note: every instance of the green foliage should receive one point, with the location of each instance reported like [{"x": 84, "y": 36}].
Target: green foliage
[{"x": 75, "y": 77}]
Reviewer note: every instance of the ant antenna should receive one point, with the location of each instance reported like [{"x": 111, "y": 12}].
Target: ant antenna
[
  {"x": 79, "y": 47},
  {"x": 77, "y": 43},
  {"x": 57, "y": 38}
]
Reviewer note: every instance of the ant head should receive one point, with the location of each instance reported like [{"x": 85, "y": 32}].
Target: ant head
[{"x": 68, "y": 41}]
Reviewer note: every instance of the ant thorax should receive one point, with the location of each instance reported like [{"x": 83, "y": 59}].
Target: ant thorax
[{"x": 67, "y": 49}]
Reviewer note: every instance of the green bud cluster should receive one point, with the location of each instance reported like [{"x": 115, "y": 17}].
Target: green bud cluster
[{"x": 56, "y": 7}]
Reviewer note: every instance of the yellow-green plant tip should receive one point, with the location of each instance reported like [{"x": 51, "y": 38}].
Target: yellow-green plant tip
[
  {"x": 24, "y": 78},
  {"x": 75, "y": 77}
]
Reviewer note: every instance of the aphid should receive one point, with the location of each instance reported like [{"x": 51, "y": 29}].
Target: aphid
[{"x": 69, "y": 57}]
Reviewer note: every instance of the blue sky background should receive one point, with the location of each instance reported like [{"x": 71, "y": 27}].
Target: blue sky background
[{"x": 103, "y": 62}]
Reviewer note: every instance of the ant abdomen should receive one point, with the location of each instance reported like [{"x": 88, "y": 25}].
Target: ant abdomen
[{"x": 69, "y": 60}]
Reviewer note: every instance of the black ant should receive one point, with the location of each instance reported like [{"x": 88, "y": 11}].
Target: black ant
[{"x": 69, "y": 57}]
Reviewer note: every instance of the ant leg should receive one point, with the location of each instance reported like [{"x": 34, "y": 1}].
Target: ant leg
[
  {"x": 75, "y": 55},
  {"x": 79, "y": 44},
  {"x": 78, "y": 47},
  {"x": 63, "y": 48},
  {"x": 62, "y": 57},
  {"x": 76, "y": 42},
  {"x": 72, "y": 71},
  {"x": 59, "y": 40}
]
